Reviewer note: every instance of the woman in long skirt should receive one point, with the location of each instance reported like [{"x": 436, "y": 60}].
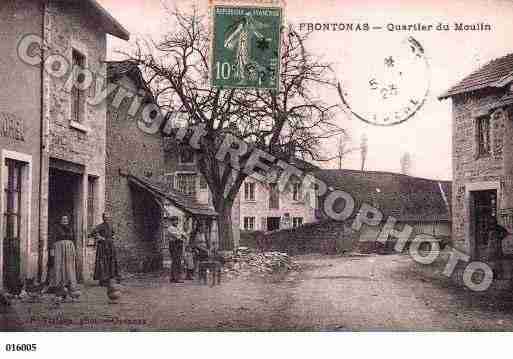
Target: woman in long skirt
[
  {"x": 106, "y": 265},
  {"x": 64, "y": 274}
]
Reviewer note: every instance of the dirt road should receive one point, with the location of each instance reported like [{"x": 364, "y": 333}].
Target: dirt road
[
  {"x": 349, "y": 293},
  {"x": 388, "y": 293}
]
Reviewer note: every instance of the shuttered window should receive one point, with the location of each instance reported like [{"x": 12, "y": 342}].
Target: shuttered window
[{"x": 77, "y": 95}]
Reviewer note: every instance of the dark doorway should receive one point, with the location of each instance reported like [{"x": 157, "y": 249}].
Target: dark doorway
[
  {"x": 146, "y": 255},
  {"x": 63, "y": 199},
  {"x": 485, "y": 211},
  {"x": 273, "y": 223}
]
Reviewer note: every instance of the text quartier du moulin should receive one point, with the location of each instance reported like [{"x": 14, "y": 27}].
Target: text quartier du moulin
[{"x": 394, "y": 27}]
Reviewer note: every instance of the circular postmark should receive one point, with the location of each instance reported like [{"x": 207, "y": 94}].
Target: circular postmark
[{"x": 390, "y": 86}]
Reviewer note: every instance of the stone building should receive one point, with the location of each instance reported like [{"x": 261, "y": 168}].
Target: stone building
[
  {"x": 482, "y": 128},
  {"x": 52, "y": 139},
  {"x": 264, "y": 208},
  {"x": 147, "y": 179}
]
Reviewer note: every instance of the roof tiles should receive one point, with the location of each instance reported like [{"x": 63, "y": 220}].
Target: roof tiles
[
  {"x": 404, "y": 197},
  {"x": 490, "y": 75}
]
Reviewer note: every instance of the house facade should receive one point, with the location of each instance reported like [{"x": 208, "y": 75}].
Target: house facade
[
  {"x": 263, "y": 207},
  {"x": 482, "y": 127},
  {"x": 52, "y": 140}
]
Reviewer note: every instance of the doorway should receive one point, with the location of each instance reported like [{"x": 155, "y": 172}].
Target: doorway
[
  {"x": 64, "y": 190},
  {"x": 273, "y": 223},
  {"x": 485, "y": 211}
]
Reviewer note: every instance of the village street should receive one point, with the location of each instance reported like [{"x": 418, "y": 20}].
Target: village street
[{"x": 329, "y": 293}]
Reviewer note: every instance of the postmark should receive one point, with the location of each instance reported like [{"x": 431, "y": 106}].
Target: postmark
[{"x": 389, "y": 86}]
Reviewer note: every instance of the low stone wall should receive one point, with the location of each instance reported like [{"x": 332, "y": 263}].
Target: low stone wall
[{"x": 327, "y": 237}]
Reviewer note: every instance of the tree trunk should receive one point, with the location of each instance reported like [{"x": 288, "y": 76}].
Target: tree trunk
[{"x": 225, "y": 228}]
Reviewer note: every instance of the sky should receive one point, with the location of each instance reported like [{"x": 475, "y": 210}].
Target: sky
[{"x": 451, "y": 55}]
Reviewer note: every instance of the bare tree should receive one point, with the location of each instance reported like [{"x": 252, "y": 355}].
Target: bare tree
[
  {"x": 273, "y": 121},
  {"x": 364, "y": 147},
  {"x": 406, "y": 163}
]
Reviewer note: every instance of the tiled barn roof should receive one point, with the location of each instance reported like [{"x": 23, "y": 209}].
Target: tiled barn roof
[
  {"x": 496, "y": 73},
  {"x": 404, "y": 197}
]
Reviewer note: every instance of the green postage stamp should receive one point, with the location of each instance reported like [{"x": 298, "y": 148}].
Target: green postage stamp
[{"x": 246, "y": 47}]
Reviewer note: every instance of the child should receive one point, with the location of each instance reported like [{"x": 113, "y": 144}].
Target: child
[{"x": 189, "y": 262}]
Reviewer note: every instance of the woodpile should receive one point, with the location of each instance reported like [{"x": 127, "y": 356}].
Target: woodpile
[{"x": 245, "y": 262}]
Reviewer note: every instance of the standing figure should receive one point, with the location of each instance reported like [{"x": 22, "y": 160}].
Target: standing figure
[
  {"x": 106, "y": 265},
  {"x": 201, "y": 251},
  {"x": 495, "y": 236},
  {"x": 239, "y": 36},
  {"x": 260, "y": 241},
  {"x": 189, "y": 263},
  {"x": 175, "y": 239},
  {"x": 63, "y": 275}
]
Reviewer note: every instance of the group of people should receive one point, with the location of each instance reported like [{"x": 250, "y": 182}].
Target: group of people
[
  {"x": 190, "y": 255},
  {"x": 62, "y": 273}
]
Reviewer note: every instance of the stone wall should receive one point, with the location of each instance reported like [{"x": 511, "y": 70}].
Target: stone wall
[
  {"x": 67, "y": 26},
  {"x": 326, "y": 237},
  {"x": 331, "y": 237},
  {"x": 469, "y": 169},
  {"x": 136, "y": 216}
]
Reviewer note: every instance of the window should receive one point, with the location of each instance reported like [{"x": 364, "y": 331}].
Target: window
[
  {"x": 186, "y": 156},
  {"x": 186, "y": 183},
  {"x": 249, "y": 223},
  {"x": 91, "y": 202},
  {"x": 249, "y": 191},
  {"x": 297, "y": 191},
  {"x": 483, "y": 136},
  {"x": 297, "y": 221},
  {"x": 274, "y": 196},
  {"x": 12, "y": 199},
  {"x": 77, "y": 95}
]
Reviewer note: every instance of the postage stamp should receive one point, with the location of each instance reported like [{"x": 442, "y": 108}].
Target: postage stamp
[{"x": 246, "y": 47}]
